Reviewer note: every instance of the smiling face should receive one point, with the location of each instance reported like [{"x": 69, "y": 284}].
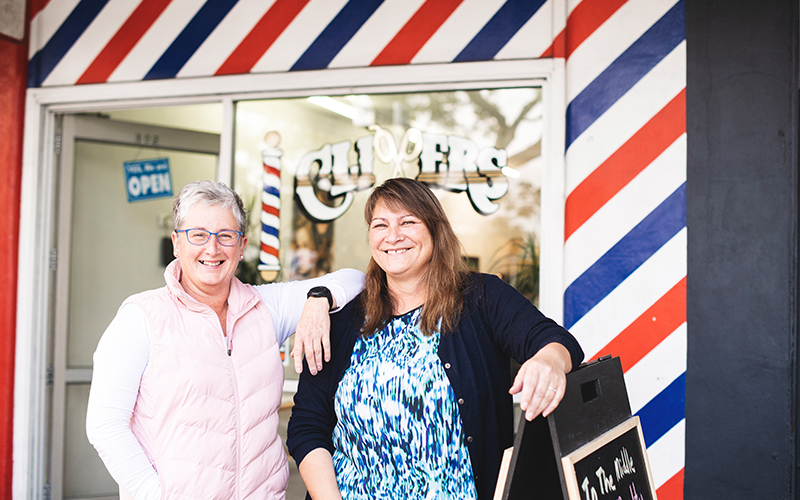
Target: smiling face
[
  {"x": 207, "y": 270},
  {"x": 401, "y": 245}
]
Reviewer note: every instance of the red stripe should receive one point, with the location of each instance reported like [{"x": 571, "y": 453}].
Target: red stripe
[
  {"x": 261, "y": 37},
  {"x": 672, "y": 489},
  {"x": 649, "y": 329},
  {"x": 416, "y": 32},
  {"x": 586, "y": 18},
  {"x": 272, "y": 171},
  {"x": 13, "y": 85},
  {"x": 37, "y": 6},
  {"x": 557, "y": 48},
  {"x": 123, "y": 41},
  {"x": 270, "y": 210},
  {"x": 626, "y": 163},
  {"x": 269, "y": 250}
]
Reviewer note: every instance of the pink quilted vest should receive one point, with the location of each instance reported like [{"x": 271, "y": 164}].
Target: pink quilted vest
[{"x": 209, "y": 421}]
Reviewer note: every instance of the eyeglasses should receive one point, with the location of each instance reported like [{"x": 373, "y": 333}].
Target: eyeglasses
[{"x": 226, "y": 237}]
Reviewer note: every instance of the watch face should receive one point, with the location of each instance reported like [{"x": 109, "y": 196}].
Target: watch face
[{"x": 321, "y": 291}]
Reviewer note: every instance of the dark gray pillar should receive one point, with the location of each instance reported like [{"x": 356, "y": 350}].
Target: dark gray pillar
[{"x": 742, "y": 219}]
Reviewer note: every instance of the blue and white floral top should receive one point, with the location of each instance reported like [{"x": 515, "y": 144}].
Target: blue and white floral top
[{"x": 399, "y": 430}]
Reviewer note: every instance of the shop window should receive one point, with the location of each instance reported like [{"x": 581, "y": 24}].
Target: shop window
[{"x": 478, "y": 149}]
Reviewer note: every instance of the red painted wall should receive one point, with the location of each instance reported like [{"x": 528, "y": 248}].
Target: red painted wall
[{"x": 13, "y": 82}]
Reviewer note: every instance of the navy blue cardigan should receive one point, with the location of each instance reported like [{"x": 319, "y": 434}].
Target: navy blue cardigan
[{"x": 497, "y": 323}]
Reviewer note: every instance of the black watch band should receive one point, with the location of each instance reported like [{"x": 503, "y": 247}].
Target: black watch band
[{"x": 321, "y": 291}]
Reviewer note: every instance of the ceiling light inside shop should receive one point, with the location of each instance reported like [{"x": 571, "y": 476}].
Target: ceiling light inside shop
[
  {"x": 337, "y": 107},
  {"x": 360, "y": 112},
  {"x": 510, "y": 172}
]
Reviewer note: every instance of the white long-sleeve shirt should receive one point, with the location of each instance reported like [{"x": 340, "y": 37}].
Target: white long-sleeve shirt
[{"x": 122, "y": 358}]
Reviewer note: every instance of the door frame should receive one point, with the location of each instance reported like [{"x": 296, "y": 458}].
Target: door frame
[{"x": 38, "y": 209}]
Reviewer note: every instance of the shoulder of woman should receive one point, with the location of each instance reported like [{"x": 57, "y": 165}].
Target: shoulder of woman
[
  {"x": 141, "y": 297},
  {"x": 483, "y": 282}
]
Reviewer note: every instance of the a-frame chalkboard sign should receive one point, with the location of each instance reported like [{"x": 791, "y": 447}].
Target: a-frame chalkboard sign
[{"x": 590, "y": 448}]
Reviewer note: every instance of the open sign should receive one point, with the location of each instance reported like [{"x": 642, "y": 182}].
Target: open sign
[{"x": 148, "y": 179}]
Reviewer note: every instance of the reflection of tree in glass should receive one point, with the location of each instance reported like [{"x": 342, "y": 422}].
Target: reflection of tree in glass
[
  {"x": 446, "y": 109},
  {"x": 506, "y": 129}
]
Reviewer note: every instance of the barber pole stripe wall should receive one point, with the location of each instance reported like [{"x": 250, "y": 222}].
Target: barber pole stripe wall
[
  {"x": 95, "y": 41},
  {"x": 625, "y": 211}
]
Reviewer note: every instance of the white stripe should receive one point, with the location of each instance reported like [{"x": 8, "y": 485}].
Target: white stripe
[
  {"x": 376, "y": 33},
  {"x": 632, "y": 204},
  {"x": 610, "y": 40},
  {"x": 668, "y": 455},
  {"x": 270, "y": 240},
  {"x": 457, "y": 31},
  {"x": 659, "y": 368},
  {"x": 47, "y": 21},
  {"x": 156, "y": 40},
  {"x": 626, "y": 116},
  {"x": 97, "y": 35},
  {"x": 271, "y": 181},
  {"x": 269, "y": 259},
  {"x": 533, "y": 38},
  {"x": 271, "y": 200},
  {"x": 270, "y": 220},
  {"x": 228, "y": 34},
  {"x": 299, "y": 35},
  {"x": 571, "y": 5},
  {"x": 655, "y": 277}
]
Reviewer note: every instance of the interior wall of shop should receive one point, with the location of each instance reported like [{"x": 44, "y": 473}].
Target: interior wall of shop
[
  {"x": 13, "y": 78},
  {"x": 742, "y": 219}
]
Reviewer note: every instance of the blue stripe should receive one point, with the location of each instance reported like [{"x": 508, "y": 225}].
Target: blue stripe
[
  {"x": 499, "y": 30},
  {"x": 664, "y": 411},
  {"x": 625, "y": 257},
  {"x": 269, "y": 230},
  {"x": 43, "y": 62},
  {"x": 626, "y": 71},
  {"x": 336, "y": 35},
  {"x": 272, "y": 190},
  {"x": 190, "y": 39}
]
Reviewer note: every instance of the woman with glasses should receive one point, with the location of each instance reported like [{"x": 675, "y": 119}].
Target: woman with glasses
[{"x": 188, "y": 378}]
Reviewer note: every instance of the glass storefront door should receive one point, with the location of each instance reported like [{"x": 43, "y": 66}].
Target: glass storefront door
[{"x": 109, "y": 247}]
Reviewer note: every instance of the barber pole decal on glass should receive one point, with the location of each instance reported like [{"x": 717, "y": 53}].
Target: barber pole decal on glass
[{"x": 271, "y": 204}]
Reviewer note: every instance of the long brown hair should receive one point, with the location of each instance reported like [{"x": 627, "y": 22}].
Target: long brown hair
[{"x": 446, "y": 274}]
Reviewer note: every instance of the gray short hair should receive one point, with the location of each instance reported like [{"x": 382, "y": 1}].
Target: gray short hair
[{"x": 209, "y": 193}]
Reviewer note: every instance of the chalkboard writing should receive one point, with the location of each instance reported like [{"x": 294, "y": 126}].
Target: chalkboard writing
[{"x": 612, "y": 467}]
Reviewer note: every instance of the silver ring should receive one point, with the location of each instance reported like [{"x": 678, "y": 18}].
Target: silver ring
[{"x": 553, "y": 390}]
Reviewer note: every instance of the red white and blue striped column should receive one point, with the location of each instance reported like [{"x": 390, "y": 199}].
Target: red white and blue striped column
[
  {"x": 625, "y": 211},
  {"x": 271, "y": 205}
]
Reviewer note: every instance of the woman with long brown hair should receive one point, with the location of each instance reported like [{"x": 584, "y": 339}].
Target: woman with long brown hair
[{"x": 417, "y": 400}]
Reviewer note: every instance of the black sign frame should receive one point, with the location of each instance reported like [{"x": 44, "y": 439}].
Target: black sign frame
[{"x": 605, "y": 468}]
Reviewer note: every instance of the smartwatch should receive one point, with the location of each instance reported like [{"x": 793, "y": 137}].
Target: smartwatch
[{"x": 321, "y": 291}]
